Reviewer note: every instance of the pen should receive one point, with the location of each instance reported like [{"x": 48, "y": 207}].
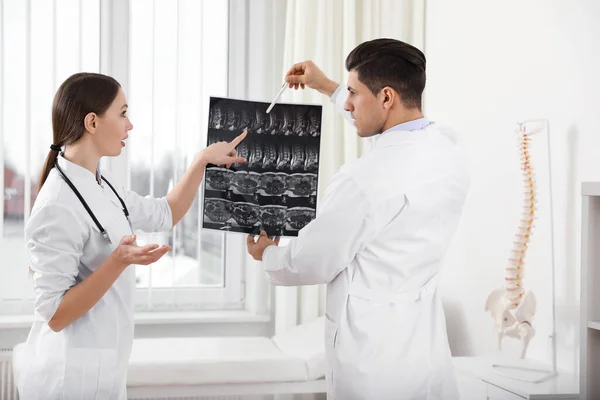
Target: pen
[{"x": 277, "y": 97}]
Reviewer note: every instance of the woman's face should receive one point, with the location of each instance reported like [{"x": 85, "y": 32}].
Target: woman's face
[{"x": 112, "y": 127}]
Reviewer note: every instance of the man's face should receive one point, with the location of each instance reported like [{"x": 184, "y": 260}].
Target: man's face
[{"x": 366, "y": 109}]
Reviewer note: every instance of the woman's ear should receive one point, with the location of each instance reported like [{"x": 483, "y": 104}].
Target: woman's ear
[{"x": 90, "y": 121}]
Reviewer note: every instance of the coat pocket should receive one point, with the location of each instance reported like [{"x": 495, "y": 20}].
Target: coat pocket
[
  {"x": 372, "y": 330},
  {"x": 90, "y": 374},
  {"x": 38, "y": 376}
]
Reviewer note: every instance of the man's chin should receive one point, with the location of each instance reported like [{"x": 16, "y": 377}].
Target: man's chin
[{"x": 367, "y": 134}]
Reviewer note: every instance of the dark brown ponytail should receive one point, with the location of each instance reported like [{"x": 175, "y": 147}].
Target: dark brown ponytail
[{"x": 79, "y": 95}]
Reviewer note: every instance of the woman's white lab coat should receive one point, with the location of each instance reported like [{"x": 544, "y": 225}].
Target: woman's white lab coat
[
  {"x": 378, "y": 240},
  {"x": 88, "y": 359}
]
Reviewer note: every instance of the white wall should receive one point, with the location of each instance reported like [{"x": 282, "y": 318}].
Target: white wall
[{"x": 490, "y": 65}]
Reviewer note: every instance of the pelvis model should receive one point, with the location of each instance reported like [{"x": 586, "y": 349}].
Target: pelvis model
[{"x": 511, "y": 307}]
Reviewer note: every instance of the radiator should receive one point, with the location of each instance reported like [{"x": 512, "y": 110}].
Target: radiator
[{"x": 8, "y": 390}]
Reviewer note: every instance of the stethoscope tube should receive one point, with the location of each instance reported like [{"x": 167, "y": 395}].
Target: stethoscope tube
[{"x": 85, "y": 205}]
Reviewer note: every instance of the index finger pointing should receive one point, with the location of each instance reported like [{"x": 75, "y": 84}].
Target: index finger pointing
[
  {"x": 239, "y": 160},
  {"x": 238, "y": 139}
]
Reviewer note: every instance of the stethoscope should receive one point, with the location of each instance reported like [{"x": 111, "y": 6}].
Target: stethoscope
[{"x": 87, "y": 208}]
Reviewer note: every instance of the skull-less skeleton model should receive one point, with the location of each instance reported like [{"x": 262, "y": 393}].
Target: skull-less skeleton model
[{"x": 511, "y": 307}]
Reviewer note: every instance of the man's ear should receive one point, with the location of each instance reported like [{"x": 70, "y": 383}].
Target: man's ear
[
  {"x": 389, "y": 96},
  {"x": 90, "y": 122}
]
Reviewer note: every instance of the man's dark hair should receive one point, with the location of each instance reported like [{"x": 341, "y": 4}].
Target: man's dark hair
[{"x": 389, "y": 62}]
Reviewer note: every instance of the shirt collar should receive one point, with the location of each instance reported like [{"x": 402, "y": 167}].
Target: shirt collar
[
  {"x": 414, "y": 125},
  {"x": 74, "y": 171},
  {"x": 401, "y": 132}
]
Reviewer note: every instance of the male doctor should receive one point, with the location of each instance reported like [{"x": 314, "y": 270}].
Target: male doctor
[{"x": 381, "y": 232}]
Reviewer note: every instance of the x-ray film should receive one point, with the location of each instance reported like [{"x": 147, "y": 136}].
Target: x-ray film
[{"x": 276, "y": 190}]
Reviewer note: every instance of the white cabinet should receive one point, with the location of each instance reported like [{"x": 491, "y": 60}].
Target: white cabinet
[
  {"x": 496, "y": 393},
  {"x": 469, "y": 386},
  {"x": 477, "y": 381},
  {"x": 590, "y": 292}
]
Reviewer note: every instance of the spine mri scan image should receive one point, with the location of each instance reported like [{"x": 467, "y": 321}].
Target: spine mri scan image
[{"x": 276, "y": 190}]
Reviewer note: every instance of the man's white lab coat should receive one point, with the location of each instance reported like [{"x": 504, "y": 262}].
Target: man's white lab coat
[{"x": 378, "y": 240}]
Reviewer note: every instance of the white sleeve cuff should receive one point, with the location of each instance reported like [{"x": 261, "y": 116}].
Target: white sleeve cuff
[
  {"x": 336, "y": 94},
  {"x": 167, "y": 221},
  {"x": 269, "y": 259}
]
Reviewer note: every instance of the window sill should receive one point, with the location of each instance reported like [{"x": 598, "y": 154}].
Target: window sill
[
  {"x": 195, "y": 317},
  {"x": 15, "y": 321},
  {"x": 159, "y": 318}
]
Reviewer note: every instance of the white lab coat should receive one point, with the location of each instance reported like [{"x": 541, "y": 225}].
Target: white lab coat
[
  {"x": 88, "y": 359},
  {"x": 378, "y": 240}
]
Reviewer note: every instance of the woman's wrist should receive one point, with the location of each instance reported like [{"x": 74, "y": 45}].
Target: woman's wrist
[
  {"x": 199, "y": 160},
  {"x": 115, "y": 263}
]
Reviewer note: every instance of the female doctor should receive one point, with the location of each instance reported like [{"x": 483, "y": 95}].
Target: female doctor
[{"x": 81, "y": 242}]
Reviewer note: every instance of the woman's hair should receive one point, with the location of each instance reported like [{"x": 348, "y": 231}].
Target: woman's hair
[{"x": 79, "y": 95}]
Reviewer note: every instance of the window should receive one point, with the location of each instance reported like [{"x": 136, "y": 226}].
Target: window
[
  {"x": 41, "y": 44},
  {"x": 177, "y": 58}
]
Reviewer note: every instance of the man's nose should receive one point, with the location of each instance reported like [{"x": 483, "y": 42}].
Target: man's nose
[{"x": 348, "y": 106}]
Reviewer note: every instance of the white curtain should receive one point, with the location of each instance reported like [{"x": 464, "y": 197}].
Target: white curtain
[{"x": 325, "y": 31}]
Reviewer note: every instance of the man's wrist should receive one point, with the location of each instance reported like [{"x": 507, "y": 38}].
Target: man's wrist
[{"x": 329, "y": 88}]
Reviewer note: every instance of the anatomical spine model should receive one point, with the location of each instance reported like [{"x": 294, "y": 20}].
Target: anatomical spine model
[{"x": 511, "y": 308}]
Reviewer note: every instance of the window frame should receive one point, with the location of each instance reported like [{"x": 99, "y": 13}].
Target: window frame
[
  {"x": 242, "y": 276},
  {"x": 114, "y": 56}
]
